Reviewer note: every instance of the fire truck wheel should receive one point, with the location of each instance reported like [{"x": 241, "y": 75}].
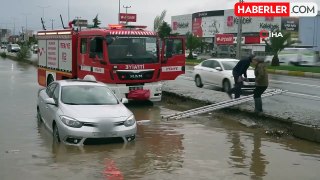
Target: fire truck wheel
[
  {"x": 50, "y": 79},
  {"x": 198, "y": 81}
]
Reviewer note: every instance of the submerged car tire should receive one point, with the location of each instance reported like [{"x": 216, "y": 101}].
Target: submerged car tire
[
  {"x": 198, "y": 81},
  {"x": 226, "y": 85},
  {"x": 56, "y": 137},
  {"x": 39, "y": 118}
]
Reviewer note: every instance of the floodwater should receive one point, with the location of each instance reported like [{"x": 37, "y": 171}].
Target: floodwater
[{"x": 213, "y": 146}]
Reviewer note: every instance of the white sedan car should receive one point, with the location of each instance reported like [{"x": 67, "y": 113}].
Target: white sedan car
[
  {"x": 218, "y": 72},
  {"x": 80, "y": 112}
]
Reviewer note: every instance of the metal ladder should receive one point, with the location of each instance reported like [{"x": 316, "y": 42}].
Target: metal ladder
[{"x": 220, "y": 105}]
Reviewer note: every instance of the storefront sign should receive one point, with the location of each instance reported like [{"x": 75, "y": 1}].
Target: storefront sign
[
  {"x": 128, "y": 17},
  {"x": 224, "y": 39}
]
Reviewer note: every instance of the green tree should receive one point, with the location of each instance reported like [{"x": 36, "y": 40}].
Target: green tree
[
  {"x": 193, "y": 42},
  {"x": 164, "y": 30},
  {"x": 24, "y": 52},
  {"x": 277, "y": 44},
  {"x": 158, "y": 20},
  {"x": 96, "y": 22}
]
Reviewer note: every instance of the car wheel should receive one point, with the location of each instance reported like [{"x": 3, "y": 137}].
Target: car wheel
[
  {"x": 39, "y": 118},
  {"x": 226, "y": 86},
  {"x": 198, "y": 81},
  {"x": 56, "y": 137}
]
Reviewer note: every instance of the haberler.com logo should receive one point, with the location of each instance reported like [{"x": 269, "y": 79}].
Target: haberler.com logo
[{"x": 276, "y": 9}]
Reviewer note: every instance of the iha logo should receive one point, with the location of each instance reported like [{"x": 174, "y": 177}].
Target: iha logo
[{"x": 264, "y": 34}]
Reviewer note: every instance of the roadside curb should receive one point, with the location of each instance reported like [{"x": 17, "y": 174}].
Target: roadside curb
[
  {"x": 308, "y": 132},
  {"x": 303, "y": 131},
  {"x": 294, "y": 73}
]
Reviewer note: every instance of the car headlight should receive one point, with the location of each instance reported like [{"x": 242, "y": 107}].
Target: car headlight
[
  {"x": 71, "y": 122},
  {"x": 130, "y": 121}
]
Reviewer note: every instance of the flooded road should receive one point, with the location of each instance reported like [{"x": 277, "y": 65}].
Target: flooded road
[{"x": 214, "y": 146}]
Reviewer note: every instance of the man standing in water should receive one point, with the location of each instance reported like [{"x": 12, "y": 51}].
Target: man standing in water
[{"x": 262, "y": 82}]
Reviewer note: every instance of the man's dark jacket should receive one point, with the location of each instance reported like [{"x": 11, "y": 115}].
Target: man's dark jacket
[{"x": 241, "y": 67}]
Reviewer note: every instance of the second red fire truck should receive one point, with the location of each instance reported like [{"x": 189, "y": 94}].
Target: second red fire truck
[{"x": 131, "y": 60}]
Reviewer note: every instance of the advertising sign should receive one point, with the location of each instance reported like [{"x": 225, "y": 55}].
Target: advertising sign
[
  {"x": 182, "y": 24},
  {"x": 291, "y": 24},
  {"x": 249, "y": 24},
  {"x": 224, "y": 39},
  {"x": 128, "y": 17},
  {"x": 207, "y": 24}
]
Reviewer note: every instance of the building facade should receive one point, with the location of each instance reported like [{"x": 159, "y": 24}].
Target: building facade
[{"x": 209, "y": 23}]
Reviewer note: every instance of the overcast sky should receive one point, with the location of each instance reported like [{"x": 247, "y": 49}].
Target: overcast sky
[{"x": 15, "y": 11}]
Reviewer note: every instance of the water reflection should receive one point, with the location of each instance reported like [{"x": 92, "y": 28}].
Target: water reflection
[
  {"x": 237, "y": 152},
  {"x": 258, "y": 161},
  {"x": 23, "y": 66}
]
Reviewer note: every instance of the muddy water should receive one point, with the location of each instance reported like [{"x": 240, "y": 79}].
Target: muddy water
[{"x": 213, "y": 146}]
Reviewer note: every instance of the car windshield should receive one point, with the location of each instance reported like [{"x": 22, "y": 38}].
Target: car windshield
[
  {"x": 135, "y": 50},
  {"x": 229, "y": 65},
  {"x": 87, "y": 95},
  {"x": 15, "y": 45}
]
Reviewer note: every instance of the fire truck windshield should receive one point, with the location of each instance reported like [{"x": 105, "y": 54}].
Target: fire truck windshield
[{"x": 133, "y": 49}]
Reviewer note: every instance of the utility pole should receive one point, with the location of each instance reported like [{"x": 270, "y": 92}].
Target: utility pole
[
  {"x": 68, "y": 11},
  {"x": 14, "y": 25},
  {"x": 119, "y": 14},
  {"x": 43, "y": 7},
  {"x": 52, "y": 23},
  {"x": 23, "y": 35},
  {"x": 127, "y": 7},
  {"x": 26, "y": 29},
  {"x": 239, "y": 36}
]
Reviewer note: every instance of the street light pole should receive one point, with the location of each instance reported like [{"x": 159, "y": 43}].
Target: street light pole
[
  {"x": 52, "y": 23},
  {"x": 26, "y": 29},
  {"x": 68, "y": 11},
  {"x": 239, "y": 36},
  {"x": 43, "y": 7},
  {"x": 126, "y": 13},
  {"x": 14, "y": 25},
  {"x": 119, "y": 14}
]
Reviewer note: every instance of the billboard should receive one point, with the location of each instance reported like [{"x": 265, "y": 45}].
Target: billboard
[
  {"x": 181, "y": 24},
  {"x": 291, "y": 24},
  {"x": 207, "y": 24},
  {"x": 128, "y": 17},
  {"x": 249, "y": 24}
]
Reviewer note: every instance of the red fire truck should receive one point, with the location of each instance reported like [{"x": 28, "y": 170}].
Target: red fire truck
[{"x": 131, "y": 60}]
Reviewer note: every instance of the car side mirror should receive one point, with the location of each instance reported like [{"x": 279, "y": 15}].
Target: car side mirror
[
  {"x": 50, "y": 101},
  {"x": 218, "y": 68},
  {"x": 124, "y": 101}
]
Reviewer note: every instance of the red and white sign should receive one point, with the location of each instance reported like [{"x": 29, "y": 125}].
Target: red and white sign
[
  {"x": 224, "y": 38},
  {"x": 128, "y": 17},
  {"x": 259, "y": 9}
]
